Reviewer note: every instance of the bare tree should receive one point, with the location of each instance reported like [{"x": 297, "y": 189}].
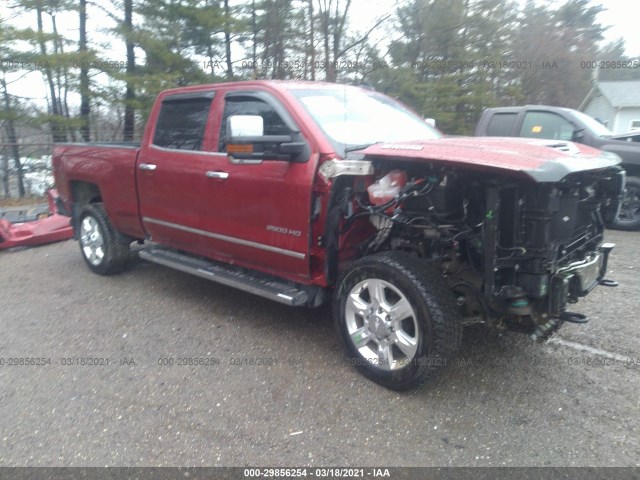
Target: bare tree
[
  {"x": 312, "y": 45},
  {"x": 85, "y": 104},
  {"x": 13, "y": 142},
  {"x": 129, "y": 109},
  {"x": 227, "y": 40},
  {"x": 56, "y": 130}
]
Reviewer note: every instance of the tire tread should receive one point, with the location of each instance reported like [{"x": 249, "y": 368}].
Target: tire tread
[
  {"x": 445, "y": 315},
  {"x": 116, "y": 254},
  {"x": 629, "y": 225}
]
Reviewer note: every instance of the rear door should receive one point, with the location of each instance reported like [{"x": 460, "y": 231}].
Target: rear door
[
  {"x": 171, "y": 171},
  {"x": 501, "y": 124}
]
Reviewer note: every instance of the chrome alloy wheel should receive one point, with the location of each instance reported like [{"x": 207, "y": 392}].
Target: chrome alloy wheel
[
  {"x": 91, "y": 240},
  {"x": 382, "y": 324}
]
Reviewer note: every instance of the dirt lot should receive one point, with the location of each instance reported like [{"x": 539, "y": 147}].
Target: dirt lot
[{"x": 272, "y": 387}]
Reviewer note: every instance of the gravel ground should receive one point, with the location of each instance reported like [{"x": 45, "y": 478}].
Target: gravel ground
[{"x": 278, "y": 392}]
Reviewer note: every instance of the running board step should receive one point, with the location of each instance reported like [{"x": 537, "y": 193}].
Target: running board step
[{"x": 241, "y": 278}]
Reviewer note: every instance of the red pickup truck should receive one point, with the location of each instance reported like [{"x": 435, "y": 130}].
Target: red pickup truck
[{"x": 307, "y": 192}]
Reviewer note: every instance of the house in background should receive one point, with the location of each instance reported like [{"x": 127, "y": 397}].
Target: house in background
[{"x": 616, "y": 104}]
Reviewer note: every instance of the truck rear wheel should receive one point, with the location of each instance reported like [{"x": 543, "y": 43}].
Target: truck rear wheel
[
  {"x": 99, "y": 246},
  {"x": 398, "y": 322},
  {"x": 629, "y": 218}
]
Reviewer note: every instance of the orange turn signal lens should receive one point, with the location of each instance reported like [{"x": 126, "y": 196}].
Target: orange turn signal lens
[{"x": 238, "y": 148}]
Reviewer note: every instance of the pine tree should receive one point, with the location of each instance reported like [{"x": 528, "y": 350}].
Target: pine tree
[
  {"x": 614, "y": 51},
  {"x": 8, "y": 114},
  {"x": 555, "y": 42}
]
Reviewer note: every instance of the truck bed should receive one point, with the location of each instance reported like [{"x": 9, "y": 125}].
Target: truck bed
[{"x": 104, "y": 172}]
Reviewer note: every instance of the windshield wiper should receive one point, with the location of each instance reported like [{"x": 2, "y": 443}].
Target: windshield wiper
[{"x": 353, "y": 148}]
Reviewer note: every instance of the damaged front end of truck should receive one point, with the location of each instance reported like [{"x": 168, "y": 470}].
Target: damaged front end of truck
[{"x": 516, "y": 227}]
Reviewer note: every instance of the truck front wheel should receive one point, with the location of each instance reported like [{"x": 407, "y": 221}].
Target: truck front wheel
[
  {"x": 629, "y": 217},
  {"x": 100, "y": 248},
  {"x": 398, "y": 322}
]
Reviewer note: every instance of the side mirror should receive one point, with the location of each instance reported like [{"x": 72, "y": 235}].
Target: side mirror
[
  {"x": 247, "y": 143},
  {"x": 245, "y": 126},
  {"x": 578, "y": 135},
  {"x": 430, "y": 121}
]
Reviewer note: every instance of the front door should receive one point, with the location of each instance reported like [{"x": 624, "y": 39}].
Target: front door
[{"x": 260, "y": 209}]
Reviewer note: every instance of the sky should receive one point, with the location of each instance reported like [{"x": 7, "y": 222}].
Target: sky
[
  {"x": 621, "y": 15},
  {"x": 623, "y": 22}
]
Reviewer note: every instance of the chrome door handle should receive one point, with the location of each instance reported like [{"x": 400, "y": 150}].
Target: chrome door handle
[
  {"x": 220, "y": 175},
  {"x": 147, "y": 166}
]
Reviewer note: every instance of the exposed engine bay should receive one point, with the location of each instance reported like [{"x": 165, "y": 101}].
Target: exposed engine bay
[{"x": 515, "y": 252}]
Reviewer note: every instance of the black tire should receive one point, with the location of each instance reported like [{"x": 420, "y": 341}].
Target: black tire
[
  {"x": 99, "y": 245},
  {"x": 434, "y": 312},
  {"x": 629, "y": 217}
]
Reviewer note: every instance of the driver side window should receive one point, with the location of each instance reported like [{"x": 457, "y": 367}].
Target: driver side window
[
  {"x": 273, "y": 124},
  {"x": 546, "y": 125}
]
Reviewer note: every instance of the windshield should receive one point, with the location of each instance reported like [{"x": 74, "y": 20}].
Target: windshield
[
  {"x": 353, "y": 117},
  {"x": 593, "y": 125}
]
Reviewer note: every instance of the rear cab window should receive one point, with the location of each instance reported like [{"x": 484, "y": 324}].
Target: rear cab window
[{"x": 501, "y": 124}]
